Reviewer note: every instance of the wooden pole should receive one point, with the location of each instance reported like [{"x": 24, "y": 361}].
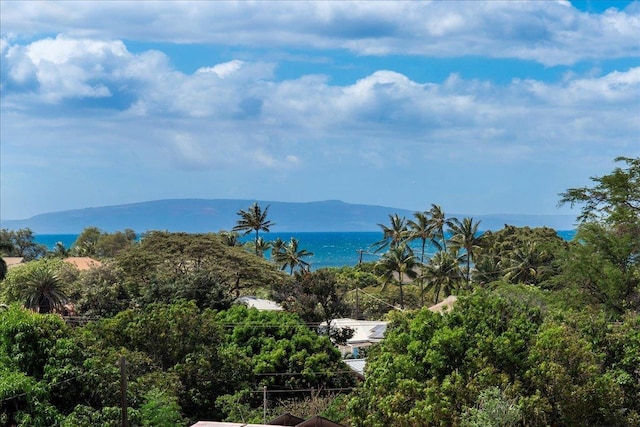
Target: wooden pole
[
  {"x": 264, "y": 404},
  {"x": 357, "y": 301}
]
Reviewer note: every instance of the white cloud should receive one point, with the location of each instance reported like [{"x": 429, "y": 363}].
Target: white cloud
[
  {"x": 79, "y": 100},
  {"x": 64, "y": 67},
  {"x": 547, "y": 32},
  {"x": 242, "y": 98},
  {"x": 223, "y": 70}
]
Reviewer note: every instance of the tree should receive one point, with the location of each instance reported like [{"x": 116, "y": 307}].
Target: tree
[
  {"x": 21, "y": 243},
  {"x": 94, "y": 242},
  {"x": 394, "y": 235},
  {"x": 493, "y": 409},
  {"x": 315, "y": 296},
  {"x": 230, "y": 238},
  {"x": 438, "y": 222},
  {"x": 15, "y": 288},
  {"x": 431, "y": 367},
  {"x": 398, "y": 263},
  {"x": 167, "y": 266},
  {"x": 43, "y": 291},
  {"x": 262, "y": 246},
  {"x": 292, "y": 257},
  {"x": 277, "y": 342},
  {"x": 277, "y": 246},
  {"x": 85, "y": 244},
  {"x": 605, "y": 265},
  {"x": 615, "y": 198},
  {"x": 465, "y": 236},
  {"x": 443, "y": 273},
  {"x": 60, "y": 251},
  {"x": 531, "y": 255},
  {"x": 420, "y": 229},
  {"x": 609, "y": 236},
  {"x": 527, "y": 264},
  {"x": 253, "y": 219}
]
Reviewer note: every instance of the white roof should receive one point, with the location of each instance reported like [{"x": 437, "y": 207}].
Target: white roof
[
  {"x": 260, "y": 304},
  {"x": 357, "y": 365},
  {"x": 365, "y": 332}
]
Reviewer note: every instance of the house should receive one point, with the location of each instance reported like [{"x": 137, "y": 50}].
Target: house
[
  {"x": 365, "y": 333},
  {"x": 12, "y": 261},
  {"x": 83, "y": 263},
  {"x": 357, "y": 366},
  {"x": 288, "y": 419},
  {"x": 259, "y": 303}
]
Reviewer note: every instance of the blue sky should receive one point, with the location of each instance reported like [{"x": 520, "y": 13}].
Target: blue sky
[{"x": 480, "y": 107}]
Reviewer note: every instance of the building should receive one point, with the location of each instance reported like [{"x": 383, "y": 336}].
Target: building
[
  {"x": 83, "y": 263},
  {"x": 259, "y": 303},
  {"x": 365, "y": 334},
  {"x": 12, "y": 261}
]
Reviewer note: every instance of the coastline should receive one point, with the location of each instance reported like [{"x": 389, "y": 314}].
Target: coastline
[{"x": 330, "y": 249}]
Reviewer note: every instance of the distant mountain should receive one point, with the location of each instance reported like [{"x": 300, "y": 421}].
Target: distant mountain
[{"x": 199, "y": 215}]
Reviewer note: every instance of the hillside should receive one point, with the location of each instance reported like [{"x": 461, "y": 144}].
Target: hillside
[{"x": 200, "y": 215}]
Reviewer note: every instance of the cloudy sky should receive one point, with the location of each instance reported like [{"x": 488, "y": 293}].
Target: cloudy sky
[{"x": 479, "y": 107}]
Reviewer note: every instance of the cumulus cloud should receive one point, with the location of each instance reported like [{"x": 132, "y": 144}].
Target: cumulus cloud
[
  {"x": 92, "y": 100},
  {"x": 551, "y": 33},
  {"x": 64, "y": 67},
  {"x": 223, "y": 70},
  {"x": 244, "y": 97}
]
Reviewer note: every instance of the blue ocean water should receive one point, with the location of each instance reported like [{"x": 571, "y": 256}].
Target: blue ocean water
[{"x": 330, "y": 249}]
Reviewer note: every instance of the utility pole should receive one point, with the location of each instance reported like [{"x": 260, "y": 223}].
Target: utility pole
[
  {"x": 123, "y": 391},
  {"x": 357, "y": 301},
  {"x": 264, "y": 403}
]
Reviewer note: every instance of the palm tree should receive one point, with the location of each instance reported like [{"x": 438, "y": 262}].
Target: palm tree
[
  {"x": 230, "y": 238},
  {"x": 60, "y": 251},
  {"x": 277, "y": 246},
  {"x": 399, "y": 261},
  {"x": 43, "y": 291},
  {"x": 487, "y": 269},
  {"x": 527, "y": 264},
  {"x": 420, "y": 230},
  {"x": 253, "y": 219},
  {"x": 438, "y": 222},
  {"x": 465, "y": 235},
  {"x": 288, "y": 255},
  {"x": 443, "y": 273},
  {"x": 394, "y": 235},
  {"x": 262, "y": 246}
]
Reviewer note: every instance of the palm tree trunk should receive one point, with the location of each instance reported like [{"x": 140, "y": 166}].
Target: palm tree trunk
[
  {"x": 256, "y": 244},
  {"x": 424, "y": 242}
]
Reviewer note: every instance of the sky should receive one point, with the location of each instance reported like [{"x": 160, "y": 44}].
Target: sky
[{"x": 479, "y": 107}]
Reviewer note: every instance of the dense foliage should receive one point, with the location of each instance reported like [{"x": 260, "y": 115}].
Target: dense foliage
[
  {"x": 203, "y": 364},
  {"x": 557, "y": 369},
  {"x": 544, "y": 332}
]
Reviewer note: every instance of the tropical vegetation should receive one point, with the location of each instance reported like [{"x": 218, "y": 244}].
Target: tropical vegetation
[{"x": 545, "y": 332}]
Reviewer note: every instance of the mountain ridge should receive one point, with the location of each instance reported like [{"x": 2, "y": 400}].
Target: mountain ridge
[{"x": 213, "y": 215}]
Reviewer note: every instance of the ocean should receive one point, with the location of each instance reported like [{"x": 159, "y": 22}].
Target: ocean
[{"x": 330, "y": 249}]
